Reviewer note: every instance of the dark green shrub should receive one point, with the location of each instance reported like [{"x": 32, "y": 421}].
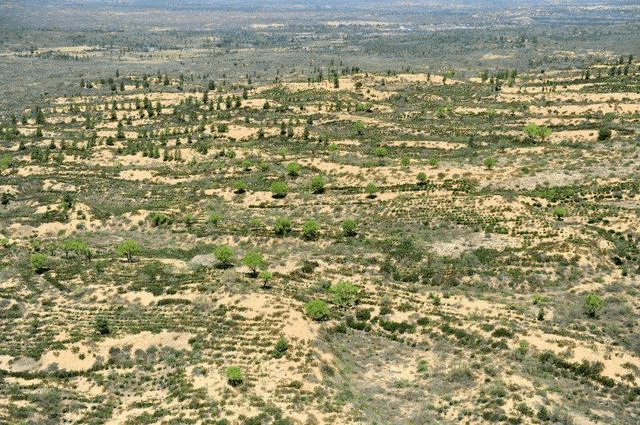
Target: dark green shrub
[
  {"x": 604, "y": 133},
  {"x": 281, "y": 348},
  {"x": 102, "y": 326}
]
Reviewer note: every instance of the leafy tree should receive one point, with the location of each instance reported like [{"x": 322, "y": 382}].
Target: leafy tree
[
  {"x": 279, "y": 189},
  {"x": 535, "y": 131},
  {"x": 310, "y": 229},
  {"x": 39, "y": 263},
  {"x": 223, "y": 254},
  {"x": 317, "y": 184},
  {"x": 254, "y": 261},
  {"x": 265, "y": 276},
  {"x": 317, "y": 309},
  {"x": 234, "y": 376},
  {"x": 489, "y": 162},
  {"x": 293, "y": 169},
  {"x": 282, "y": 226},
  {"x": 128, "y": 248},
  {"x": 559, "y": 212},
  {"x": 349, "y": 228},
  {"x": 344, "y": 293}
]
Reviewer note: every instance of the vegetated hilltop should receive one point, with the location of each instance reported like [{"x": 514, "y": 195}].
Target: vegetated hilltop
[{"x": 335, "y": 246}]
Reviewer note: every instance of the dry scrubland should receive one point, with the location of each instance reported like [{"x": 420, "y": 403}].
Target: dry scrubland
[{"x": 475, "y": 253}]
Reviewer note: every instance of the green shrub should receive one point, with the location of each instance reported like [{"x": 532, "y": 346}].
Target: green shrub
[
  {"x": 317, "y": 309},
  {"x": 102, "y": 326},
  {"x": 344, "y": 293},
  {"x": 281, "y": 348},
  {"x": 279, "y": 189},
  {"x": 592, "y": 305},
  {"x": 317, "y": 184},
  {"x": 39, "y": 262},
  {"x": 349, "y": 228},
  {"x": 422, "y": 178},
  {"x": 234, "y": 376},
  {"x": 381, "y": 151},
  {"x": 240, "y": 186},
  {"x": 128, "y": 248},
  {"x": 310, "y": 229},
  {"x": 214, "y": 219},
  {"x": 293, "y": 169},
  {"x": 282, "y": 226},
  {"x": 604, "y": 133},
  {"x": 223, "y": 254},
  {"x": 159, "y": 219},
  {"x": 77, "y": 247},
  {"x": 371, "y": 190},
  {"x": 489, "y": 162}
]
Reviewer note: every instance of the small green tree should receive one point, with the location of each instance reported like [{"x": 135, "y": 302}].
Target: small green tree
[
  {"x": 282, "y": 226},
  {"x": 349, "y": 228},
  {"x": 310, "y": 229},
  {"x": 592, "y": 305},
  {"x": 344, "y": 293},
  {"x": 489, "y": 162},
  {"x": 265, "y": 276},
  {"x": 279, "y": 189},
  {"x": 559, "y": 212},
  {"x": 536, "y": 132},
  {"x": 254, "y": 261},
  {"x": 317, "y": 310},
  {"x": 234, "y": 376},
  {"x": 317, "y": 184},
  {"x": 358, "y": 126},
  {"x": 128, "y": 248},
  {"x": 223, "y": 254}
]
